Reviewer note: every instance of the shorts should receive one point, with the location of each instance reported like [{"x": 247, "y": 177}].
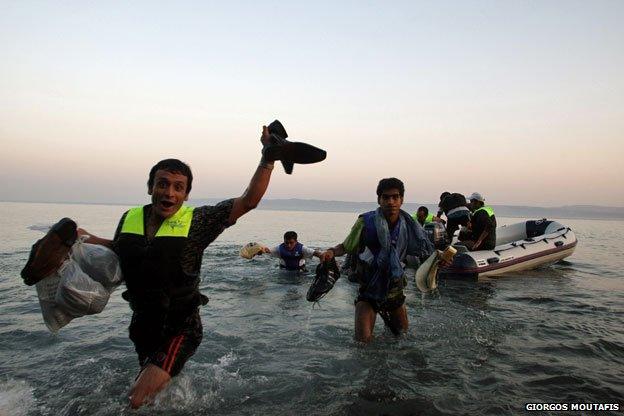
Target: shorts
[
  {"x": 167, "y": 347},
  {"x": 395, "y": 298}
]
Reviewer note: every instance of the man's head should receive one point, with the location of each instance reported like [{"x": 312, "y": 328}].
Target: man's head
[
  {"x": 476, "y": 201},
  {"x": 390, "y": 193},
  {"x": 169, "y": 185},
  {"x": 290, "y": 239},
  {"x": 421, "y": 214}
]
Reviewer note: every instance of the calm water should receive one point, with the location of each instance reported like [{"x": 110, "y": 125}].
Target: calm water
[{"x": 488, "y": 347}]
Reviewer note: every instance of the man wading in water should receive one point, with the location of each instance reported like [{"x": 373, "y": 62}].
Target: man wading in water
[
  {"x": 381, "y": 240},
  {"x": 160, "y": 247}
]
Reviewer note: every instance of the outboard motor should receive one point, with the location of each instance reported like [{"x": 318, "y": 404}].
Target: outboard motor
[{"x": 436, "y": 231}]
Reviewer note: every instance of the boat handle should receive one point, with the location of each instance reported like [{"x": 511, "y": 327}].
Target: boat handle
[{"x": 558, "y": 243}]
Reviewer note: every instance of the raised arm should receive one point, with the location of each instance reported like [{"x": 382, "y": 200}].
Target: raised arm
[{"x": 257, "y": 187}]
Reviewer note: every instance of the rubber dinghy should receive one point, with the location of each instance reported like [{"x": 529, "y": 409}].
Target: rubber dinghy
[{"x": 521, "y": 246}]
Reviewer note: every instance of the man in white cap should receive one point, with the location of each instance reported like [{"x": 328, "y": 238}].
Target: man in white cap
[{"x": 483, "y": 225}]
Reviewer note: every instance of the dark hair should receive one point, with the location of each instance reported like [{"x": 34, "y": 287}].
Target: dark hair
[
  {"x": 290, "y": 235},
  {"x": 390, "y": 183},
  {"x": 424, "y": 209},
  {"x": 444, "y": 195},
  {"x": 173, "y": 166}
]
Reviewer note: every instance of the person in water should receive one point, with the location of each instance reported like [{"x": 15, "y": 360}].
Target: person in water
[
  {"x": 160, "y": 248},
  {"x": 423, "y": 216},
  {"x": 381, "y": 240},
  {"x": 292, "y": 254},
  {"x": 482, "y": 234}
]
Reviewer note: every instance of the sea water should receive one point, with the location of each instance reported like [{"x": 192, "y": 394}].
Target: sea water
[{"x": 553, "y": 335}]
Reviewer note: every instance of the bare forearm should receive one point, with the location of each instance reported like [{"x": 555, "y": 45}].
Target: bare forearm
[
  {"x": 339, "y": 250},
  {"x": 258, "y": 185},
  {"x": 94, "y": 239},
  {"x": 254, "y": 192},
  {"x": 480, "y": 240}
]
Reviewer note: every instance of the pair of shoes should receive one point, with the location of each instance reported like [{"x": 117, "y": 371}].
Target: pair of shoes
[
  {"x": 287, "y": 152},
  {"x": 48, "y": 253},
  {"x": 326, "y": 275}
]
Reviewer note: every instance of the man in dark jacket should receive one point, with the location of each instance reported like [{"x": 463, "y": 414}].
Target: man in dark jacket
[
  {"x": 482, "y": 235},
  {"x": 455, "y": 208}
]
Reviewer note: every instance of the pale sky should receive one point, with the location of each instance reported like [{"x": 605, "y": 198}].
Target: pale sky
[{"x": 522, "y": 101}]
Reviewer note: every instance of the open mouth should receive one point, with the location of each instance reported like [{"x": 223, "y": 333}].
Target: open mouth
[{"x": 166, "y": 204}]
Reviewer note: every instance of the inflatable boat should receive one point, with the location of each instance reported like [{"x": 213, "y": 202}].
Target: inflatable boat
[{"x": 521, "y": 246}]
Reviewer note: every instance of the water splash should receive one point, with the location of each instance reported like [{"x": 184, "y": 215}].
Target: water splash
[{"x": 16, "y": 398}]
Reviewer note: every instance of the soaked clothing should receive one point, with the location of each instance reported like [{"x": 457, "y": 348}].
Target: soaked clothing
[
  {"x": 394, "y": 299},
  {"x": 381, "y": 254},
  {"x": 162, "y": 277},
  {"x": 292, "y": 260},
  {"x": 169, "y": 350}
]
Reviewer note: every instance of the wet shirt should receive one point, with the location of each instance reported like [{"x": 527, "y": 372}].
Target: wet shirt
[
  {"x": 208, "y": 222},
  {"x": 352, "y": 242},
  {"x": 306, "y": 252},
  {"x": 481, "y": 221}
]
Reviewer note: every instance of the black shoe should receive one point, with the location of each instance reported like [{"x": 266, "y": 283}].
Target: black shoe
[
  {"x": 289, "y": 152},
  {"x": 48, "y": 253},
  {"x": 326, "y": 275}
]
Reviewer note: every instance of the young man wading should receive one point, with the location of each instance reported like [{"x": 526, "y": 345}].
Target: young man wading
[
  {"x": 382, "y": 240},
  {"x": 160, "y": 247}
]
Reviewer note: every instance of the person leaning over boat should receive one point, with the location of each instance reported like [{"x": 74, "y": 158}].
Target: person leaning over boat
[
  {"x": 455, "y": 208},
  {"x": 381, "y": 240},
  {"x": 292, "y": 253},
  {"x": 160, "y": 247},
  {"x": 482, "y": 234}
]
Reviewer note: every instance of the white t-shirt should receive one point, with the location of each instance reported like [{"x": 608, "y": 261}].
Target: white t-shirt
[{"x": 307, "y": 252}]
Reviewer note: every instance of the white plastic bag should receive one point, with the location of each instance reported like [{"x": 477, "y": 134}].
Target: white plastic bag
[
  {"x": 81, "y": 286},
  {"x": 99, "y": 262}
]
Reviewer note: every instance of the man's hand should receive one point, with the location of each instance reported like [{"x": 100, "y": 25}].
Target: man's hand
[
  {"x": 444, "y": 263},
  {"x": 326, "y": 255}
]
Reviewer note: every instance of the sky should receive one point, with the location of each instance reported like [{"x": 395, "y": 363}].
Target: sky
[{"x": 522, "y": 101}]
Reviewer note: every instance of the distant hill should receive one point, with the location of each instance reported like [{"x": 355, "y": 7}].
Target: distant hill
[{"x": 568, "y": 211}]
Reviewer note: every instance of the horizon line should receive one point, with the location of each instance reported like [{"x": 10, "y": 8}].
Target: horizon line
[{"x": 301, "y": 199}]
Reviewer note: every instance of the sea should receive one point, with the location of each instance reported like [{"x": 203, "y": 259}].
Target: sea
[{"x": 497, "y": 346}]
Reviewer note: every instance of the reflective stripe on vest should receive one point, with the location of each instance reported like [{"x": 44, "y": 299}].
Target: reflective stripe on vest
[
  {"x": 178, "y": 225},
  {"x": 487, "y": 209}
]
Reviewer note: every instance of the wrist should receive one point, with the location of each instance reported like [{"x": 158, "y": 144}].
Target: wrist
[{"x": 265, "y": 165}]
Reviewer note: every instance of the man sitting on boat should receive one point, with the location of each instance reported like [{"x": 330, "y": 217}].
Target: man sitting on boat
[
  {"x": 482, "y": 233},
  {"x": 422, "y": 216}
]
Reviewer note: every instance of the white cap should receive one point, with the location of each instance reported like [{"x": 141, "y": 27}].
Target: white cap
[{"x": 477, "y": 197}]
